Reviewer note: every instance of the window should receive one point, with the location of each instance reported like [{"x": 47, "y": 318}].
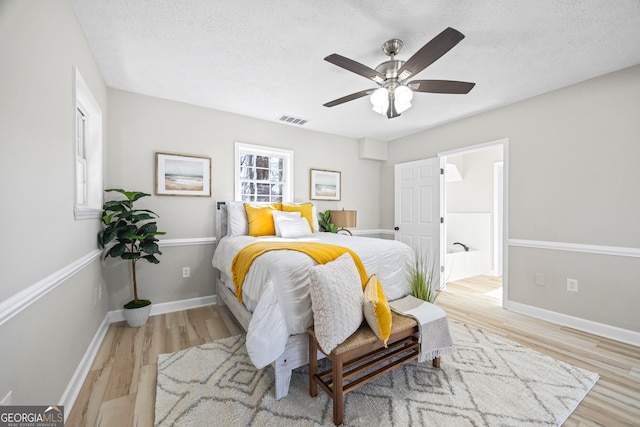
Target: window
[
  {"x": 263, "y": 174},
  {"x": 88, "y": 152},
  {"x": 81, "y": 158}
]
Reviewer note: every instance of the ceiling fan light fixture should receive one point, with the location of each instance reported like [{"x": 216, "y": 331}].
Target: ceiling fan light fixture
[
  {"x": 380, "y": 100},
  {"x": 403, "y": 96},
  {"x": 401, "y": 108},
  {"x": 394, "y": 94}
]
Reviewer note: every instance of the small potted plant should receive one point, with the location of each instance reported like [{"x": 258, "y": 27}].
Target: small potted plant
[
  {"x": 423, "y": 277},
  {"x": 134, "y": 232},
  {"x": 324, "y": 221}
]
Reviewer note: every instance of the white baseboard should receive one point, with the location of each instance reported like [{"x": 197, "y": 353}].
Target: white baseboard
[
  {"x": 371, "y": 231},
  {"x": 7, "y": 400},
  {"x": 600, "y": 329},
  {"x": 70, "y": 395},
  {"x": 168, "y": 307},
  {"x": 80, "y": 375}
]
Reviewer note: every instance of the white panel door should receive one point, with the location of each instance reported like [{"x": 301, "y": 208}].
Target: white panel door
[{"x": 417, "y": 206}]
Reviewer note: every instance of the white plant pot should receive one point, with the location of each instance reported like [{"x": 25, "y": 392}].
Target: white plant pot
[{"x": 137, "y": 317}]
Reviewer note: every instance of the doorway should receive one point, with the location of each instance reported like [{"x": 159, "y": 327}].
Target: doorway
[
  {"x": 473, "y": 199},
  {"x": 421, "y": 213}
]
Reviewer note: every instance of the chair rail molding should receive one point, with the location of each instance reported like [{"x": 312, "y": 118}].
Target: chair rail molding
[
  {"x": 577, "y": 247},
  {"x": 194, "y": 241},
  {"x": 23, "y": 299}
]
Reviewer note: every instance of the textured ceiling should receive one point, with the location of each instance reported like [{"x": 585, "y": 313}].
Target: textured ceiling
[{"x": 265, "y": 58}]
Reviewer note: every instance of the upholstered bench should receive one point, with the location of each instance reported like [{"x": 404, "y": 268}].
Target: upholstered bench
[{"x": 362, "y": 358}]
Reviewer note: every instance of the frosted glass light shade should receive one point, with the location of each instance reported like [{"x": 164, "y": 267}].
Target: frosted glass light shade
[
  {"x": 403, "y": 96},
  {"x": 380, "y": 100}
]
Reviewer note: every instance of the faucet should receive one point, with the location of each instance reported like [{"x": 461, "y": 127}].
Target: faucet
[{"x": 466, "y": 248}]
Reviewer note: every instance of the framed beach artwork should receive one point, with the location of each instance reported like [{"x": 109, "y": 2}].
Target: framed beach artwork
[
  {"x": 181, "y": 175},
  {"x": 325, "y": 185}
]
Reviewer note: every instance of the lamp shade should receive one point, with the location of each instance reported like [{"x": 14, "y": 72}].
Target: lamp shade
[{"x": 343, "y": 219}]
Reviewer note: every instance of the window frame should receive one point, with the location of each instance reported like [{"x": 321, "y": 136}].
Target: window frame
[
  {"x": 91, "y": 160},
  {"x": 261, "y": 150}
]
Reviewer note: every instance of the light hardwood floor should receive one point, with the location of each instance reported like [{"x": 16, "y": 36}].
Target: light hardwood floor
[{"x": 120, "y": 388}]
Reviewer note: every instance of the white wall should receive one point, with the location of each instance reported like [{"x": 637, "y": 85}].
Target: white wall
[
  {"x": 475, "y": 192},
  {"x": 42, "y": 343},
  {"x": 573, "y": 167},
  {"x": 141, "y": 125}
]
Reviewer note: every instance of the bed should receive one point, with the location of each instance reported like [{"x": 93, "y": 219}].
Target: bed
[{"x": 276, "y": 307}]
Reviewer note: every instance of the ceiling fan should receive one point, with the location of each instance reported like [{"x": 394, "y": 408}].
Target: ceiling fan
[{"x": 395, "y": 93}]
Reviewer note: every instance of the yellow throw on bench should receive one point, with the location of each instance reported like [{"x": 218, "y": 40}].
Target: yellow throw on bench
[{"x": 320, "y": 252}]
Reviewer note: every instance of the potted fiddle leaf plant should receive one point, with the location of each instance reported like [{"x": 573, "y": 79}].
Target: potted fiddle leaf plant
[
  {"x": 324, "y": 221},
  {"x": 134, "y": 235}
]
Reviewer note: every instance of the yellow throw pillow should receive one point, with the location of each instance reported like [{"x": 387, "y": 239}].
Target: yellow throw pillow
[
  {"x": 260, "y": 218},
  {"x": 305, "y": 209},
  {"x": 376, "y": 309}
]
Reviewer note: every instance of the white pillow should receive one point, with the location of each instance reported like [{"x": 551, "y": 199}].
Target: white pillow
[
  {"x": 314, "y": 214},
  {"x": 236, "y": 219},
  {"x": 316, "y": 225},
  {"x": 336, "y": 301},
  {"x": 291, "y": 228},
  {"x": 280, "y": 215}
]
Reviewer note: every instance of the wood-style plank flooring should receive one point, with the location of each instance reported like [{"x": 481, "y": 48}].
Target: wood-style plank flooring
[{"x": 120, "y": 387}]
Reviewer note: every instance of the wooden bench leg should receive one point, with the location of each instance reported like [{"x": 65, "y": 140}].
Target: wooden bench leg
[
  {"x": 313, "y": 367},
  {"x": 436, "y": 362},
  {"x": 338, "y": 394}
]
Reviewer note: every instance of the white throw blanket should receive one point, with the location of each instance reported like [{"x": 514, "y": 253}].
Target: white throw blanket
[{"x": 435, "y": 339}]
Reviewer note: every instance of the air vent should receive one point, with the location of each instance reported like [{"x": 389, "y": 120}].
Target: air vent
[{"x": 293, "y": 120}]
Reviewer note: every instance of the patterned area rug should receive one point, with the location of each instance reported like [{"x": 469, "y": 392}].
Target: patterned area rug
[{"x": 489, "y": 382}]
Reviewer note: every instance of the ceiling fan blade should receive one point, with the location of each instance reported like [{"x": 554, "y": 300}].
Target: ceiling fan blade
[
  {"x": 349, "y": 98},
  {"x": 355, "y": 67},
  {"x": 440, "y": 86},
  {"x": 430, "y": 52}
]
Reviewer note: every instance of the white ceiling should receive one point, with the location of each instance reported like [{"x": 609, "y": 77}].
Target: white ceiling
[{"x": 265, "y": 58}]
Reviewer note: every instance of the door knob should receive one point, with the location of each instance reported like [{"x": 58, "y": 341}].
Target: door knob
[{"x": 396, "y": 228}]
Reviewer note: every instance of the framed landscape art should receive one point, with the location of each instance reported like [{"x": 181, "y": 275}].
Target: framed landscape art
[
  {"x": 325, "y": 185},
  {"x": 182, "y": 175}
]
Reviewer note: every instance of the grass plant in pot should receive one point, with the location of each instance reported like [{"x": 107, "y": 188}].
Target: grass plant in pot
[
  {"x": 423, "y": 277},
  {"x": 133, "y": 233}
]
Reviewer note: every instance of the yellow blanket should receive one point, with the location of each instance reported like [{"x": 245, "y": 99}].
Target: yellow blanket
[{"x": 320, "y": 252}]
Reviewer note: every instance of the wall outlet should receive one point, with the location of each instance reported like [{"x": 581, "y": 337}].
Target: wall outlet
[
  {"x": 186, "y": 272},
  {"x": 7, "y": 400},
  {"x": 572, "y": 285},
  {"x": 539, "y": 279}
]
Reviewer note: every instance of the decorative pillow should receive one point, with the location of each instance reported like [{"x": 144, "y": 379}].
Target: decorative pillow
[
  {"x": 316, "y": 225},
  {"x": 376, "y": 309},
  {"x": 236, "y": 219},
  {"x": 292, "y": 228},
  {"x": 336, "y": 301},
  {"x": 279, "y": 216},
  {"x": 260, "y": 219},
  {"x": 306, "y": 211}
]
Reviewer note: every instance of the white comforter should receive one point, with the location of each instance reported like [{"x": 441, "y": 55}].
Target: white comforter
[{"x": 276, "y": 288}]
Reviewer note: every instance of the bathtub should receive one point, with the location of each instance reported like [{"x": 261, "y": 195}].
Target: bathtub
[{"x": 460, "y": 264}]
